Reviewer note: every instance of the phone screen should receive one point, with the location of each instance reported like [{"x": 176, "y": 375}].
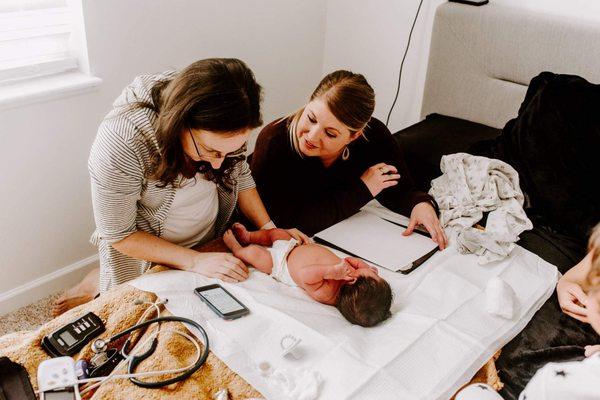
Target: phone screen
[
  {"x": 62, "y": 395},
  {"x": 221, "y": 300}
]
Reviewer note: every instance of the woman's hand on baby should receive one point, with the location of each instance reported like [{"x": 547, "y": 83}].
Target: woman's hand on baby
[
  {"x": 223, "y": 266},
  {"x": 572, "y": 300},
  {"x": 380, "y": 176},
  {"x": 299, "y": 236},
  {"x": 424, "y": 214}
]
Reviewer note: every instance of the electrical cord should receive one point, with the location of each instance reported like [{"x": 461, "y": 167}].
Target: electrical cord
[{"x": 402, "y": 64}]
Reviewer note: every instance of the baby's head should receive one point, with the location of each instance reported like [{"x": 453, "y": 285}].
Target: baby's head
[
  {"x": 365, "y": 302},
  {"x": 593, "y": 280}
]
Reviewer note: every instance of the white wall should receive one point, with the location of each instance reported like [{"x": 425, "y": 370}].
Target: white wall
[
  {"x": 45, "y": 207},
  {"x": 369, "y": 37}
]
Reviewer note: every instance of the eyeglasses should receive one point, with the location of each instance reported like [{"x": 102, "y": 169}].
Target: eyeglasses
[{"x": 213, "y": 156}]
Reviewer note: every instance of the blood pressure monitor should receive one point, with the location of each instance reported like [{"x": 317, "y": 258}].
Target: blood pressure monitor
[{"x": 70, "y": 338}]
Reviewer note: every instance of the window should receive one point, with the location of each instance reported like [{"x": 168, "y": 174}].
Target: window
[{"x": 38, "y": 38}]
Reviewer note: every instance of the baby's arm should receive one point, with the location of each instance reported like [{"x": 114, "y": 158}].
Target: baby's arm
[
  {"x": 317, "y": 273},
  {"x": 323, "y": 281}
]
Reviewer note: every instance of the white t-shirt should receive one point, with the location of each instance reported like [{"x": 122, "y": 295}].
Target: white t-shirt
[
  {"x": 191, "y": 218},
  {"x": 576, "y": 380}
]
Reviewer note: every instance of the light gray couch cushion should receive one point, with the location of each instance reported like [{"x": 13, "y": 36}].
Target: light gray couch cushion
[{"x": 482, "y": 58}]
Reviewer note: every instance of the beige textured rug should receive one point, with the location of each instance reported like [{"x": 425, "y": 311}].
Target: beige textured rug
[
  {"x": 29, "y": 317},
  {"x": 117, "y": 309}
]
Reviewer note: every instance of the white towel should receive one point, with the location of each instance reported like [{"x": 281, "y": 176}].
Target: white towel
[
  {"x": 437, "y": 338},
  {"x": 301, "y": 384}
]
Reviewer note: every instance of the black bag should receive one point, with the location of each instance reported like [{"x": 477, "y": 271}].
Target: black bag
[{"x": 14, "y": 381}]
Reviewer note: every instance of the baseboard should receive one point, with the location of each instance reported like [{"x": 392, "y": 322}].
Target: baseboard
[{"x": 46, "y": 285}]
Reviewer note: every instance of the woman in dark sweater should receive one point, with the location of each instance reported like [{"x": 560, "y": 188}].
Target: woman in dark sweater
[{"x": 323, "y": 163}]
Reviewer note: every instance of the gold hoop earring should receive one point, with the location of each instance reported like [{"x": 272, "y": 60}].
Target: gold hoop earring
[{"x": 346, "y": 153}]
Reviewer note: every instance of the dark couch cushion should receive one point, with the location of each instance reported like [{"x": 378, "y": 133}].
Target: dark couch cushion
[{"x": 425, "y": 143}]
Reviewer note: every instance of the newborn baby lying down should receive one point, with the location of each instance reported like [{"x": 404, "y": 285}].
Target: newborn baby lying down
[{"x": 350, "y": 284}]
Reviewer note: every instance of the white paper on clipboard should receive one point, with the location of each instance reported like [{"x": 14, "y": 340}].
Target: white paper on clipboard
[{"x": 378, "y": 241}]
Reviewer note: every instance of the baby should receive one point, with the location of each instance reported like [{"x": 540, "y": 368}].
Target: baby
[{"x": 350, "y": 284}]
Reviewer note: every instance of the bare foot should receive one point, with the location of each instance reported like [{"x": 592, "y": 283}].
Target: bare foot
[
  {"x": 81, "y": 293},
  {"x": 231, "y": 242},
  {"x": 241, "y": 233}
]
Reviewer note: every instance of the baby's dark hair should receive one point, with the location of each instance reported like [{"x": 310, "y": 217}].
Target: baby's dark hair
[{"x": 367, "y": 302}]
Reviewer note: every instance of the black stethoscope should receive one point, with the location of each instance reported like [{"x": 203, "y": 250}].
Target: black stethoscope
[{"x": 100, "y": 346}]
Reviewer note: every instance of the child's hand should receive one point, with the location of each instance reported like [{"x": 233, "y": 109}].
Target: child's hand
[
  {"x": 572, "y": 300},
  {"x": 591, "y": 350},
  {"x": 341, "y": 272},
  {"x": 357, "y": 263}
]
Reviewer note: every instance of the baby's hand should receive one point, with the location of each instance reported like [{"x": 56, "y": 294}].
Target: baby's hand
[
  {"x": 341, "y": 272},
  {"x": 591, "y": 350},
  {"x": 357, "y": 263}
]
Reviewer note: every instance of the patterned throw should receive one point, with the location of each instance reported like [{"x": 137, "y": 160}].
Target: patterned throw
[{"x": 471, "y": 186}]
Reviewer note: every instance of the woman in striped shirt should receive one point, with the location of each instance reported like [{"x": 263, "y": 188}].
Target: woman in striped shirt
[{"x": 167, "y": 169}]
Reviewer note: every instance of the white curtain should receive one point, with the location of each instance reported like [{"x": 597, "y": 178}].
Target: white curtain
[{"x": 35, "y": 38}]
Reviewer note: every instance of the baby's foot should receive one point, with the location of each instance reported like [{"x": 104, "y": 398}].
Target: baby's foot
[
  {"x": 241, "y": 233},
  {"x": 231, "y": 242}
]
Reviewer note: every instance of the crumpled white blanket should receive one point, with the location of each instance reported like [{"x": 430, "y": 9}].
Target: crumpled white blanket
[
  {"x": 471, "y": 185},
  {"x": 302, "y": 384}
]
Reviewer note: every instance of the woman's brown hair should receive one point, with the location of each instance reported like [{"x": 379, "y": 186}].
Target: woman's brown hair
[
  {"x": 348, "y": 96},
  {"x": 219, "y": 95}
]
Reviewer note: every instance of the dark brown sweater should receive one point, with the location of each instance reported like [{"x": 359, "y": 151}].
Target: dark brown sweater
[{"x": 302, "y": 193}]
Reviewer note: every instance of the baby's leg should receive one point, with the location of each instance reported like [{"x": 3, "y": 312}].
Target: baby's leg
[
  {"x": 253, "y": 255},
  {"x": 264, "y": 237}
]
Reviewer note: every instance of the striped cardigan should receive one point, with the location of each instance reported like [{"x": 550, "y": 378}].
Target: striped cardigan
[{"x": 124, "y": 199}]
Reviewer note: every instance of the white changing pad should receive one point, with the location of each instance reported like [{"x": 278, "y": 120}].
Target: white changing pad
[{"x": 438, "y": 337}]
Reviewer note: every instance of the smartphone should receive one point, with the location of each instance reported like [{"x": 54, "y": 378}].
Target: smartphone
[
  {"x": 221, "y": 301},
  {"x": 61, "y": 394}
]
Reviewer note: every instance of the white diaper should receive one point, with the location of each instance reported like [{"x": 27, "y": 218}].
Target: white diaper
[{"x": 279, "y": 252}]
